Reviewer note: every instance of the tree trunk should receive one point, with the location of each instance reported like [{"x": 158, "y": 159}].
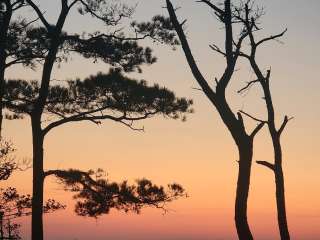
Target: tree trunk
[
  {"x": 280, "y": 189},
  {"x": 1, "y": 225},
  {"x": 2, "y": 72},
  {"x": 9, "y": 230},
  {"x": 38, "y": 179},
  {"x": 4, "y": 26},
  {"x": 245, "y": 162},
  {"x": 281, "y": 205},
  {"x": 38, "y": 139}
]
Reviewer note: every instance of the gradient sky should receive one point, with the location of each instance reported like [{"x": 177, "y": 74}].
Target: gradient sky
[{"x": 199, "y": 154}]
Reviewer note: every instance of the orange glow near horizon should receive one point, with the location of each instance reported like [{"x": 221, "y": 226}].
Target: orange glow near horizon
[{"x": 199, "y": 154}]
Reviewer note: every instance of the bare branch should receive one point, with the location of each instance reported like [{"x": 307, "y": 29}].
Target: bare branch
[
  {"x": 272, "y": 37},
  {"x": 217, "y": 49},
  {"x": 40, "y": 14},
  {"x": 240, "y": 118},
  {"x": 88, "y": 116},
  {"x": 242, "y": 54},
  {"x": 103, "y": 35},
  {"x": 214, "y": 7},
  {"x": 73, "y": 3},
  {"x": 249, "y": 84},
  {"x": 198, "y": 89},
  {"x": 31, "y": 22},
  {"x": 183, "y": 22},
  {"x": 23, "y": 60},
  {"x": 284, "y": 124},
  {"x": 191, "y": 61},
  {"x": 239, "y": 44},
  {"x": 24, "y": 164},
  {"x": 267, "y": 164},
  {"x": 267, "y": 78},
  {"x": 17, "y": 5},
  {"x": 257, "y": 129},
  {"x": 130, "y": 125},
  {"x": 231, "y": 57},
  {"x": 252, "y": 117}
]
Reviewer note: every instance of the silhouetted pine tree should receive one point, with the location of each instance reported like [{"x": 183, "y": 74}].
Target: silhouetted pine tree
[{"x": 109, "y": 96}]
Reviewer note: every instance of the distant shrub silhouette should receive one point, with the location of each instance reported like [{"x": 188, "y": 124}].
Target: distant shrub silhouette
[
  {"x": 12, "y": 204},
  {"x": 7, "y": 163}
]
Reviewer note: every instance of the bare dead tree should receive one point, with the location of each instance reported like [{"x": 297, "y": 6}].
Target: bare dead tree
[
  {"x": 251, "y": 26},
  {"x": 233, "y": 121}
]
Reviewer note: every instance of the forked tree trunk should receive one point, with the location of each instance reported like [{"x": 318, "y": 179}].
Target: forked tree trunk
[
  {"x": 277, "y": 167},
  {"x": 234, "y": 125},
  {"x": 38, "y": 180}
]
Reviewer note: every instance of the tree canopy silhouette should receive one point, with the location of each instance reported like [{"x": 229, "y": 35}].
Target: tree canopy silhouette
[
  {"x": 7, "y": 163},
  {"x": 109, "y": 96},
  {"x": 102, "y": 97},
  {"x": 96, "y": 196},
  {"x": 17, "y": 43}
]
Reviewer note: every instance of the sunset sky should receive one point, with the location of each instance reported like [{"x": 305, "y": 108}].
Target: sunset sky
[{"x": 199, "y": 154}]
